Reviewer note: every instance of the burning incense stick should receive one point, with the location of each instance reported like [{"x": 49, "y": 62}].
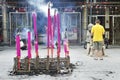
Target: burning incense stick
[
  {"x": 29, "y": 44},
  {"x": 35, "y": 32},
  {"x": 58, "y": 25},
  {"x": 18, "y": 50}
]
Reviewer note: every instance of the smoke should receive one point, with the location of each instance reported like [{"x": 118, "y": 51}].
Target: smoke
[{"x": 41, "y": 6}]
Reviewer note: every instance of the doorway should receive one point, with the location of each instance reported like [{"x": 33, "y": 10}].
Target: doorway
[
  {"x": 116, "y": 30},
  {"x": 71, "y": 24}
]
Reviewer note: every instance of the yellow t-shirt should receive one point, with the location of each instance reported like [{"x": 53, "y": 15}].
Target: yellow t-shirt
[{"x": 97, "y": 32}]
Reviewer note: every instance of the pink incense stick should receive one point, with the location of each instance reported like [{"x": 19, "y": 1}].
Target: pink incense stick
[
  {"x": 18, "y": 46},
  {"x": 66, "y": 48},
  {"x": 29, "y": 45},
  {"x": 36, "y": 48},
  {"x": 54, "y": 24},
  {"x": 52, "y": 41},
  {"x": 34, "y": 22},
  {"x": 48, "y": 31},
  {"x": 58, "y": 25},
  {"x": 18, "y": 50},
  {"x": 35, "y": 31},
  {"x": 50, "y": 35}
]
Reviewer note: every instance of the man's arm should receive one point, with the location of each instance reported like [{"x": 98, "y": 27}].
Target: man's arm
[{"x": 92, "y": 30}]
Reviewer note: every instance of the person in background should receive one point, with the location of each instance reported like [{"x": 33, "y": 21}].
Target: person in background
[
  {"x": 97, "y": 33},
  {"x": 22, "y": 45},
  {"x": 89, "y": 40}
]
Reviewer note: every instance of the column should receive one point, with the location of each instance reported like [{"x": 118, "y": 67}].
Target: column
[
  {"x": 107, "y": 26},
  {"x": 4, "y": 20},
  {"x": 85, "y": 22}
]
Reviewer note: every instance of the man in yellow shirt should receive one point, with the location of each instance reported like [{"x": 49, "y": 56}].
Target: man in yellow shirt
[{"x": 97, "y": 32}]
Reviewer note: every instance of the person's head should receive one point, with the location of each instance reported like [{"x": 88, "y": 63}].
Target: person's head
[
  {"x": 90, "y": 26},
  {"x": 97, "y": 21}
]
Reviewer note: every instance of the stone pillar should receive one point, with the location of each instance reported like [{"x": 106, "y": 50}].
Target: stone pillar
[
  {"x": 107, "y": 17},
  {"x": 85, "y": 22},
  {"x": 107, "y": 20},
  {"x": 4, "y": 20}
]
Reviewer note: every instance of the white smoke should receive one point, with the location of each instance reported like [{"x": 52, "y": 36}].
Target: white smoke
[{"x": 41, "y": 6}]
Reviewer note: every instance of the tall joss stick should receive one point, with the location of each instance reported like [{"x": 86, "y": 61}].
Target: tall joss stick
[
  {"x": 54, "y": 28},
  {"x": 51, "y": 37},
  {"x": 54, "y": 23},
  {"x": 48, "y": 31},
  {"x": 29, "y": 45},
  {"x": 58, "y": 25},
  {"x": 34, "y": 23},
  {"x": 18, "y": 50},
  {"x": 29, "y": 49},
  {"x": 35, "y": 32}
]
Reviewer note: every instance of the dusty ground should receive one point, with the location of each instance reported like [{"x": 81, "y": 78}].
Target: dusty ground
[{"x": 86, "y": 67}]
